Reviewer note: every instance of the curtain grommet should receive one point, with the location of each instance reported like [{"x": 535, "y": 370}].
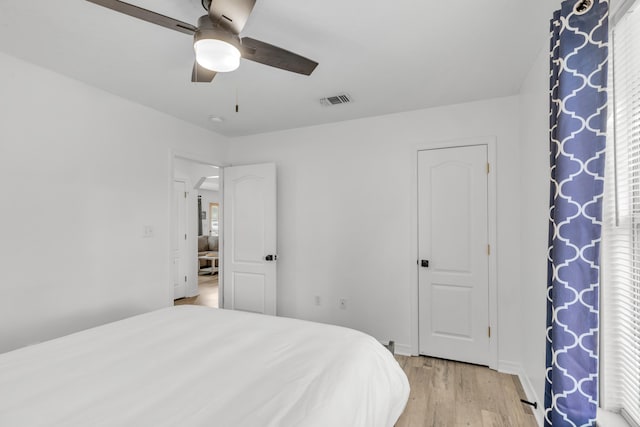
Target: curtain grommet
[{"x": 583, "y": 6}]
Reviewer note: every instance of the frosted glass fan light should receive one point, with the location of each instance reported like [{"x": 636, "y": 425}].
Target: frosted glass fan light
[{"x": 217, "y": 55}]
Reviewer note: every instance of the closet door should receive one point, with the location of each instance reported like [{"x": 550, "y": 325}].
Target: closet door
[{"x": 453, "y": 254}]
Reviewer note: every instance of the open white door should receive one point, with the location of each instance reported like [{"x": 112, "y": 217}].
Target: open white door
[
  {"x": 250, "y": 238},
  {"x": 453, "y": 250}
]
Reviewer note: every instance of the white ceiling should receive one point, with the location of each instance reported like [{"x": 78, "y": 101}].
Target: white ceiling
[
  {"x": 390, "y": 56},
  {"x": 211, "y": 183}
]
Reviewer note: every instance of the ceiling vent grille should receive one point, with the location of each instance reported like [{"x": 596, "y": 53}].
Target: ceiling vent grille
[{"x": 342, "y": 98}]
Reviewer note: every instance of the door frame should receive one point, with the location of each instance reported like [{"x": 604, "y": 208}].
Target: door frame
[
  {"x": 205, "y": 160},
  {"x": 490, "y": 143}
]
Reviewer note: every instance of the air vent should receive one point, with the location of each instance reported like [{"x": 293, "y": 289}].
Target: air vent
[{"x": 329, "y": 101}]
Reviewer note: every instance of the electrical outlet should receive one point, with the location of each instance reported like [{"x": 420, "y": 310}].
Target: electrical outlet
[
  {"x": 316, "y": 300},
  {"x": 342, "y": 303}
]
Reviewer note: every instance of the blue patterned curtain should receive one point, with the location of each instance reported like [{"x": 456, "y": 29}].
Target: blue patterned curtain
[{"x": 579, "y": 59}]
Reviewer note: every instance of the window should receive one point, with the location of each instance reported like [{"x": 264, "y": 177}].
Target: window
[
  {"x": 213, "y": 215},
  {"x": 620, "y": 331}
]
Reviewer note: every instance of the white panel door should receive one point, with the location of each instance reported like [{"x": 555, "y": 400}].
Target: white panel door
[
  {"x": 179, "y": 239},
  {"x": 250, "y": 238},
  {"x": 453, "y": 240}
]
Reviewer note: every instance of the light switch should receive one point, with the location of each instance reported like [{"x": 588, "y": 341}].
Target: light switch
[{"x": 148, "y": 231}]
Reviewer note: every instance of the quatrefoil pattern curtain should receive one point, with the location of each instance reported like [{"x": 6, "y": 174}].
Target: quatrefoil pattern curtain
[{"x": 578, "y": 115}]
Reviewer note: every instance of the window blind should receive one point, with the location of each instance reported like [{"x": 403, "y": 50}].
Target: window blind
[{"x": 620, "y": 291}]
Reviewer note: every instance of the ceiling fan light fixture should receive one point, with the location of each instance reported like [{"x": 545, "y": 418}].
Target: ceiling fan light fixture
[
  {"x": 216, "y": 38},
  {"x": 217, "y": 55}
]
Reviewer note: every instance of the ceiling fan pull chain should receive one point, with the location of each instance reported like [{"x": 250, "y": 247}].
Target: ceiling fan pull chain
[{"x": 237, "y": 107}]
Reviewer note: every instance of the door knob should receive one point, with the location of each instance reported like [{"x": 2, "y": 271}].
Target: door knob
[
  {"x": 424, "y": 263},
  {"x": 271, "y": 257}
]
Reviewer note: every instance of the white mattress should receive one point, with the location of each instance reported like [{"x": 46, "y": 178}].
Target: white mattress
[{"x": 198, "y": 366}]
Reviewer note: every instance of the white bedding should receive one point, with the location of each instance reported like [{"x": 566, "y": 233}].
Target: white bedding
[{"x": 197, "y": 366}]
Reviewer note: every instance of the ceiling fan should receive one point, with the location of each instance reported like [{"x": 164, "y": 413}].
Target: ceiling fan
[{"x": 216, "y": 39}]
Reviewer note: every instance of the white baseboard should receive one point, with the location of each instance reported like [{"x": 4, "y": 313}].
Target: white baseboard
[
  {"x": 508, "y": 367},
  {"x": 404, "y": 350},
  {"x": 400, "y": 349},
  {"x": 515, "y": 368},
  {"x": 532, "y": 396}
]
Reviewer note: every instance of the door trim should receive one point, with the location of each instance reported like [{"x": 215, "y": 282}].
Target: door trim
[
  {"x": 490, "y": 143},
  {"x": 174, "y": 221}
]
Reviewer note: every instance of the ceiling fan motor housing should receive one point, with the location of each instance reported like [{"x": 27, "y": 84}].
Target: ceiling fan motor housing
[{"x": 208, "y": 30}]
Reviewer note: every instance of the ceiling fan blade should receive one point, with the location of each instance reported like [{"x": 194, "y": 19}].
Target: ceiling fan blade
[
  {"x": 146, "y": 15},
  {"x": 232, "y": 14},
  {"x": 201, "y": 74},
  {"x": 267, "y": 54}
]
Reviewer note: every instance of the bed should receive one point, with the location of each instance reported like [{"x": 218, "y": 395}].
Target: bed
[{"x": 199, "y": 366}]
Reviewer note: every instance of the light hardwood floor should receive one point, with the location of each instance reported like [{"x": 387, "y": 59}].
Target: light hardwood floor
[
  {"x": 453, "y": 394},
  {"x": 208, "y": 288}
]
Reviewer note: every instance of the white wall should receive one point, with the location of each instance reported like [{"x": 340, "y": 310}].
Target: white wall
[
  {"x": 104, "y": 165},
  {"x": 346, "y": 215},
  {"x": 534, "y": 136}
]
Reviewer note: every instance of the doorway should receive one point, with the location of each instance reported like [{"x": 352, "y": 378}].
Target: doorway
[
  {"x": 454, "y": 295},
  {"x": 245, "y": 269},
  {"x": 201, "y": 259}
]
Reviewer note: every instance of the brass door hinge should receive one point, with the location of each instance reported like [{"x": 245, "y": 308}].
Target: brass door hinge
[
  {"x": 488, "y": 249},
  {"x": 489, "y": 331},
  {"x": 488, "y": 168}
]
